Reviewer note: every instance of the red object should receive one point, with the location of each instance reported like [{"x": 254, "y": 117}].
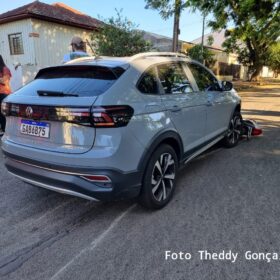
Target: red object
[
  {"x": 97, "y": 178},
  {"x": 256, "y": 131},
  {"x": 5, "y": 75},
  {"x": 111, "y": 116}
]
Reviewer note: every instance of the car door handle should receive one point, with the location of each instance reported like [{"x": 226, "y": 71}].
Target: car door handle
[{"x": 175, "y": 108}]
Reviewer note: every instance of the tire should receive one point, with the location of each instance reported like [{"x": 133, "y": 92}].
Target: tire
[
  {"x": 159, "y": 179},
  {"x": 234, "y": 131}
]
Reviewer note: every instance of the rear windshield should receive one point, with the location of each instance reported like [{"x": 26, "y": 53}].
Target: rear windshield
[{"x": 73, "y": 80}]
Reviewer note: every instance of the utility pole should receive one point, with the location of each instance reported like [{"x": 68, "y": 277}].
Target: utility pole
[
  {"x": 176, "y": 30},
  {"x": 202, "y": 38}
]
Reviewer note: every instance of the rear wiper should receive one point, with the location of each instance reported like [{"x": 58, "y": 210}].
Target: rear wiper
[{"x": 55, "y": 93}]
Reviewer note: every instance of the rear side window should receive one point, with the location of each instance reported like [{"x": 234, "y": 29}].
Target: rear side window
[
  {"x": 77, "y": 80},
  {"x": 173, "y": 78},
  {"x": 148, "y": 82},
  {"x": 204, "y": 79}
]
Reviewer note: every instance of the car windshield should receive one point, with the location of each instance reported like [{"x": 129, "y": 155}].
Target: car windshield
[{"x": 73, "y": 80}]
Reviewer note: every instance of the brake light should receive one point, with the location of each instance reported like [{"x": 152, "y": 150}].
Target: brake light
[{"x": 111, "y": 116}]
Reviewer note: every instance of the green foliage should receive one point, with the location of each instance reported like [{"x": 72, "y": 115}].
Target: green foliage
[
  {"x": 207, "y": 56},
  {"x": 210, "y": 40},
  {"x": 274, "y": 58},
  {"x": 256, "y": 27},
  {"x": 166, "y": 8},
  {"x": 119, "y": 37}
]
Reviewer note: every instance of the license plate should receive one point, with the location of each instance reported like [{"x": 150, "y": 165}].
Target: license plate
[{"x": 39, "y": 129}]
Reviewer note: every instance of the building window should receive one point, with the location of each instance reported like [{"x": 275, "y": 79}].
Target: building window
[{"x": 15, "y": 42}]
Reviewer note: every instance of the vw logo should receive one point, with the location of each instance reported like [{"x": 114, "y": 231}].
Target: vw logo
[{"x": 29, "y": 112}]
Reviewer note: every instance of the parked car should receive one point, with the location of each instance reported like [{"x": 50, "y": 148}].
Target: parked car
[{"x": 109, "y": 128}]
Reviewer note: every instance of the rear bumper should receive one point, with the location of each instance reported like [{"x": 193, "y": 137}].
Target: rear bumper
[{"x": 67, "y": 180}]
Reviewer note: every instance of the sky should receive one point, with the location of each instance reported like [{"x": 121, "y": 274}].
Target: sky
[{"x": 148, "y": 20}]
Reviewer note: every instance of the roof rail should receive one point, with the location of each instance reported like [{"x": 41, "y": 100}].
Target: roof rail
[{"x": 164, "y": 54}]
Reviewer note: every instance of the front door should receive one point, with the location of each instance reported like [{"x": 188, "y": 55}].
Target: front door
[
  {"x": 219, "y": 104},
  {"x": 185, "y": 105}
]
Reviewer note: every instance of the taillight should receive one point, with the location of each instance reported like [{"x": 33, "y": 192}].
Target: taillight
[
  {"x": 103, "y": 116},
  {"x": 111, "y": 116}
]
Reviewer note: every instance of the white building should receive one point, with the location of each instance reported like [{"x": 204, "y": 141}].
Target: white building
[{"x": 38, "y": 35}]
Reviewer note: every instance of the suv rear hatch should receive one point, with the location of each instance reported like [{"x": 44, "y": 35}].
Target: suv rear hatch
[{"x": 53, "y": 112}]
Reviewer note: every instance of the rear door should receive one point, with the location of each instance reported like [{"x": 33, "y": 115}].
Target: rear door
[
  {"x": 219, "y": 103},
  {"x": 53, "y": 112},
  {"x": 186, "y": 106}
]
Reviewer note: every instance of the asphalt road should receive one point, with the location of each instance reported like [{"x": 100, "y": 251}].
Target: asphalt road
[{"x": 227, "y": 199}]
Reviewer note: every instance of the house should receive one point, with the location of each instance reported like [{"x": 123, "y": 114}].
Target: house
[
  {"x": 159, "y": 42},
  {"x": 38, "y": 35},
  {"x": 227, "y": 66}
]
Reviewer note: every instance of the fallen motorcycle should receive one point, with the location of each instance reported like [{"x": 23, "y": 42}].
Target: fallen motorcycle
[{"x": 250, "y": 128}]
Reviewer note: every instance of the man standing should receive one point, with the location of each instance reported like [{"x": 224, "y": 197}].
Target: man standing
[{"x": 78, "y": 49}]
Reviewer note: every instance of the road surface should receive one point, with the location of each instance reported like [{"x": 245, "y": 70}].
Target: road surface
[{"x": 227, "y": 199}]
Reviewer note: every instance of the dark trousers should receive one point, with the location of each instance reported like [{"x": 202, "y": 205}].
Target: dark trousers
[{"x": 2, "y": 118}]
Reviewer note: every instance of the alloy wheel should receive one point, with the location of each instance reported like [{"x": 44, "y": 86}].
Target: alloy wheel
[
  {"x": 234, "y": 131},
  {"x": 163, "y": 177}
]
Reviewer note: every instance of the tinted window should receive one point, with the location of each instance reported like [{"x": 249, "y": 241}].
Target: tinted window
[
  {"x": 148, "y": 82},
  {"x": 204, "y": 79},
  {"x": 78, "y": 80},
  {"x": 173, "y": 78}
]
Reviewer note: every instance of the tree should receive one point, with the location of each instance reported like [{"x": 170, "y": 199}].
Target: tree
[
  {"x": 207, "y": 56},
  {"x": 274, "y": 58},
  {"x": 119, "y": 37},
  {"x": 256, "y": 28},
  {"x": 167, "y": 9},
  {"x": 204, "y": 55},
  {"x": 255, "y": 25}
]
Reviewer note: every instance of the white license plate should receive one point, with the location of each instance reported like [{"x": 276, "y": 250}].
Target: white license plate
[{"x": 39, "y": 129}]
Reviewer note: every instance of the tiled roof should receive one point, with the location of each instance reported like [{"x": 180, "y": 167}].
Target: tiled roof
[{"x": 57, "y": 12}]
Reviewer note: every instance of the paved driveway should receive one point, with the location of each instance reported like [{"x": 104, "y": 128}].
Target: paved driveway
[{"x": 227, "y": 199}]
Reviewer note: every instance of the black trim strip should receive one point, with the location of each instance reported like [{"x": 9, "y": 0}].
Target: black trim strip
[
  {"x": 191, "y": 152},
  {"x": 71, "y": 114}
]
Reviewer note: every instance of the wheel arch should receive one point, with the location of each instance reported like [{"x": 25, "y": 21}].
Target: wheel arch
[
  {"x": 237, "y": 108},
  {"x": 171, "y": 138}
]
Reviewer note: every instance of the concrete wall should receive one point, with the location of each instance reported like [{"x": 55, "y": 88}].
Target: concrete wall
[{"x": 267, "y": 73}]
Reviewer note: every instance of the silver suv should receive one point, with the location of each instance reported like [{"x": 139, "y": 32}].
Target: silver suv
[{"x": 109, "y": 128}]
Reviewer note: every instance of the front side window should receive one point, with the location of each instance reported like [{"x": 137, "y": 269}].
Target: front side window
[
  {"x": 148, "y": 82},
  {"x": 204, "y": 79},
  {"x": 15, "y": 43},
  {"x": 173, "y": 78}
]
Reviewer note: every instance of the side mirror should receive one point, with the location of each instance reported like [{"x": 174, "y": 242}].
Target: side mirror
[{"x": 227, "y": 86}]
